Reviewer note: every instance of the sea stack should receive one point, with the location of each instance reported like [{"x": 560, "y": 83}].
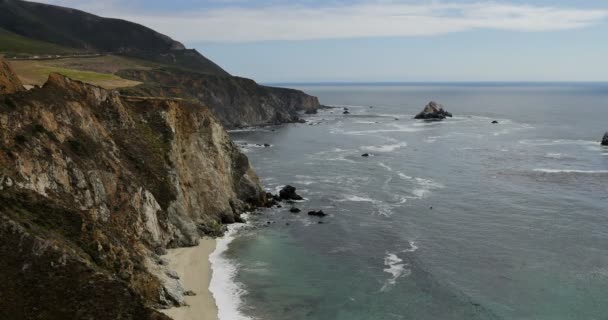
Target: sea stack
[
  {"x": 433, "y": 111},
  {"x": 605, "y": 139}
]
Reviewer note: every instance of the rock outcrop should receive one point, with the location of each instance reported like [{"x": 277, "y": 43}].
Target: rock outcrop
[
  {"x": 237, "y": 102},
  {"x": 433, "y": 111},
  {"x": 289, "y": 193},
  {"x": 605, "y": 139},
  {"x": 93, "y": 186},
  {"x": 9, "y": 82}
]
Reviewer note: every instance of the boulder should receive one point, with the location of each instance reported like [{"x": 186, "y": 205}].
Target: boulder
[
  {"x": 365, "y": 155},
  {"x": 345, "y": 112},
  {"x": 494, "y": 122},
  {"x": 289, "y": 193},
  {"x": 605, "y": 139},
  {"x": 433, "y": 111},
  {"x": 318, "y": 213},
  {"x": 294, "y": 210}
]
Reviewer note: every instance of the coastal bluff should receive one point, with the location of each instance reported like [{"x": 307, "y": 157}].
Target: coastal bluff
[{"x": 94, "y": 187}]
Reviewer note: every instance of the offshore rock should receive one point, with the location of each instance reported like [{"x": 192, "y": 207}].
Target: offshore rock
[
  {"x": 289, "y": 193},
  {"x": 433, "y": 111},
  {"x": 605, "y": 139},
  {"x": 318, "y": 213}
]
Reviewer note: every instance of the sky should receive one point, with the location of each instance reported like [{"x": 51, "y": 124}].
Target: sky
[{"x": 279, "y": 41}]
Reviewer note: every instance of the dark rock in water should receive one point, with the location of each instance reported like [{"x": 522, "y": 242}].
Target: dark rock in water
[
  {"x": 365, "y": 155},
  {"x": 320, "y": 222},
  {"x": 311, "y": 111},
  {"x": 266, "y": 145},
  {"x": 301, "y": 121},
  {"x": 494, "y": 122},
  {"x": 295, "y": 210},
  {"x": 289, "y": 193},
  {"x": 605, "y": 140},
  {"x": 279, "y": 206},
  {"x": 239, "y": 219},
  {"x": 318, "y": 213},
  {"x": 433, "y": 111},
  {"x": 396, "y": 118},
  {"x": 346, "y": 112}
]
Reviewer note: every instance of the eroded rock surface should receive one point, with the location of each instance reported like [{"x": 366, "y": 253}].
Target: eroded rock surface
[{"x": 94, "y": 186}]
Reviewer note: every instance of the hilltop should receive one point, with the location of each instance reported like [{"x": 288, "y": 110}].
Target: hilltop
[{"x": 36, "y": 26}]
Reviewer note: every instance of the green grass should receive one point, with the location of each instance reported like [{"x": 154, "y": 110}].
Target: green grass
[
  {"x": 15, "y": 45},
  {"x": 35, "y": 72},
  {"x": 85, "y": 76}
]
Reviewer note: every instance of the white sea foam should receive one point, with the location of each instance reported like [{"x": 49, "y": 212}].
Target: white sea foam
[
  {"x": 385, "y": 166},
  {"x": 226, "y": 292},
  {"x": 356, "y": 199},
  {"x": 404, "y": 176},
  {"x": 554, "y": 155},
  {"x": 570, "y": 171},
  {"x": 413, "y": 247},
  {"x": 545, "y": 142},
  {"x": 384, "y": 148},
  {"x": 396, "y": 268}
]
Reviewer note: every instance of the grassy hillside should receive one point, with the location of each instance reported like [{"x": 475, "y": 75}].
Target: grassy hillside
[
  {"x": 98, "y": 71},
  {"x": 15, "y": 45},
  {"x": 71, "y": 28}
]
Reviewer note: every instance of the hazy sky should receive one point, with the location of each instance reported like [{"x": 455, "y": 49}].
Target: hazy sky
[{"x": 383, "y": 40}]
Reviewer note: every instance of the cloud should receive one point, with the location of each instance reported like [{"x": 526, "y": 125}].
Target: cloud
[{"x": 366, "y": 19}]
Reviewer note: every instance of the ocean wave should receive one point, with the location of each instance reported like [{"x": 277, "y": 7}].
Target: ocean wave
[
  {"x": 545, "y": 142},
  {"x": 356, "y": 199},
  {"x": 554, "y": 155},
  {"x": 396, "y": 268},
  {"x": 570, "y": 171},
  {"x": 392, "y": 128},
  {"x": 385, "y": 166},
  {"x": 413, "y": 247},
  {"x": 225, "y": 290},
  {"x": 384, "y": 148}
]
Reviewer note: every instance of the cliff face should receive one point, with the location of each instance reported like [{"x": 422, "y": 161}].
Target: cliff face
[
  {"x": 93, "y": 186},
  {"x": 237, "y": 102},
  {"x": 9, "y": 82}
]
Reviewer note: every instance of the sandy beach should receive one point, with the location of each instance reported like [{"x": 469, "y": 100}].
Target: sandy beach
[{"x": 192, "y": 265}]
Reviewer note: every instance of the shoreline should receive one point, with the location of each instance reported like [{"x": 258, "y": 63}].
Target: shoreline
[{"x": 194, "y": 269}]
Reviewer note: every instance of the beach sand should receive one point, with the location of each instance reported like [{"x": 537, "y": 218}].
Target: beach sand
[{"x": 193, "y": 266}]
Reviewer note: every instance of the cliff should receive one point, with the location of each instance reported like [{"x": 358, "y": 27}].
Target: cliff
[
  {"x": 237, "y": 102},
  {"x": 93, "y": 186},
  {"x": 9, "y": 82}
]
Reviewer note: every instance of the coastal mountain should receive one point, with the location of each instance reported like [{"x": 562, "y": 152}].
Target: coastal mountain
[
  {"x": 94, "y": 186},
  {"x": 117, "y": 51},
  {"x": 86, "y": 32}
]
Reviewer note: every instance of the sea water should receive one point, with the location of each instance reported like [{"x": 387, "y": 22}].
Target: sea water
[{"x": 459, "y": 219}]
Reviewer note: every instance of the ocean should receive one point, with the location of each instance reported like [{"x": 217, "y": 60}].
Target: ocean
[{"x": 459, "y": 219}]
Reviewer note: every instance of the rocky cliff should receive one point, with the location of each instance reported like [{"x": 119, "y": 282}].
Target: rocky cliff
[
  {"x": 9, "y": 82},
  {"x": 93, "y": 186},
  {"x": 237, "y": 102}
]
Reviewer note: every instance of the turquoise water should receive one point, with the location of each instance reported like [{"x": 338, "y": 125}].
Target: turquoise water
[{"x": 460, "y": 219}]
